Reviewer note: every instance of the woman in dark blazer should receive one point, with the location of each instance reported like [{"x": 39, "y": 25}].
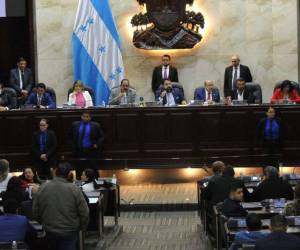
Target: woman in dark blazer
[{"x": 269, "y": 138}]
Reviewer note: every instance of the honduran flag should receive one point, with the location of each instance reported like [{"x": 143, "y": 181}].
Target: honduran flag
[{"x": 97, "y": 54}]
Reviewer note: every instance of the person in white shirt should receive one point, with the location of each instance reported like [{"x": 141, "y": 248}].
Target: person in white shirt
[
  {"x": 5, "y": 176},
  {"x": 80, "y": 97},
  {"x": 88, "y": 177}
]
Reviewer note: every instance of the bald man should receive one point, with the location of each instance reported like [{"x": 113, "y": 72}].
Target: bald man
[
  {"x": 209, "y": 94},
  {"x": 234, "y": 72}
]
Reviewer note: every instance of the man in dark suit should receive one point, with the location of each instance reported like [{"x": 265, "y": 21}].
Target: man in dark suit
[
  {"x": 163, "y": 72},
  {"x": 272, "y": 187},
  {"x": 232, "y": 205},
  {"x": 87, "y": 138},
  {"x": 279, "y": 239},
  {"x": 208, "y": 94},
  {"x": 43, "y": 149},
  {"x": 21, "y": 80},
  {"x": 169, "y": 96},
  {"x": 234, "y": 72},
  {"x": 6, "y": 101},
  {"x": 41, "y": 99},
  {"x": 242, "y": 92}
]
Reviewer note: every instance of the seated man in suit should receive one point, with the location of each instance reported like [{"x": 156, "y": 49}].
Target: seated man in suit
[
  {"x": 169, "y": 96},
  {"x": 41, "y": 99},
  {"x": 163, "y": 72},
  {"x": 21, "y": 80},
  {"x": 279, "y": 239},
  {"x": 208, "y": 94},
  {"x": 6, "y": 102},
  {"x": 272, "y": 187},
  {"x": 122, "y": 95},
  {"x": 43, "y": 149},
  {"x": 242, "y": 92},
  {"x": 234, "y": 72},
  {"x": 251, "y": 235},
  {"x": 86, "y": 137},
  {"x": 293, "y": 208},
  {"x": 232, "y": 205}
]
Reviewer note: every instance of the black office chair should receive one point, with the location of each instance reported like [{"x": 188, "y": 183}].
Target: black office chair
[
  {"x": 13, "y": 96},
  {"x": 295, "y": 85},
  {"x": 89, "y": 89},
  {"x": 255, "y": 88}
]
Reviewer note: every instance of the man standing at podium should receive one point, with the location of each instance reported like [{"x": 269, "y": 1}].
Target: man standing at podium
[
  {"x": 86, "y": 138},
  {"x": 163, "y": 72}
]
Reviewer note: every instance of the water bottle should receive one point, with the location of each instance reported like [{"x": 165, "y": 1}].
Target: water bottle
[
  {"x": 14, "y": 245},
  {"x": 125, "y": 98},
  {"x": 103, "y": 104}
]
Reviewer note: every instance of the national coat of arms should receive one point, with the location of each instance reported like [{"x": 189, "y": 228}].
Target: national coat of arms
[{"x": 167, "y": 25}]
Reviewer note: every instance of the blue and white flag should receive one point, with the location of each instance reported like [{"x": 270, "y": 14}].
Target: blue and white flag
[{"x": 97, "y": 48}]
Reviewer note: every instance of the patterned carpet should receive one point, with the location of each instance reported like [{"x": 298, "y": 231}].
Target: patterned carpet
[{"x": 160, "y": 231}]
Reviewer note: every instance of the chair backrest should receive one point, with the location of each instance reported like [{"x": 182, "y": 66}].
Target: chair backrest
[
  {"x": 13, "y": 95},
  {"x": 295, "y": 85},
  {"x": 255, "y": 88},
  {"x": 50, "y": 91}
]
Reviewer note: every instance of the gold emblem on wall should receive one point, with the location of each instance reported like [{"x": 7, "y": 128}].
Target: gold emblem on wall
[{"x": 167, "y": 25}]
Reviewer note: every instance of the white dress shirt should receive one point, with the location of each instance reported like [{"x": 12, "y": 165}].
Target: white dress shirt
[
  {"x": 170, "y": 99},
  {"x": 238, "y": 74},
  {"x": 20, "y": 77},
  {"x": 240, "y": 97},
  {"x": 3, "y": 184}
]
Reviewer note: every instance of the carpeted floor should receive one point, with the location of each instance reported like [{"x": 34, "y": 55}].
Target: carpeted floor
[{"x": 160, "y": 231}]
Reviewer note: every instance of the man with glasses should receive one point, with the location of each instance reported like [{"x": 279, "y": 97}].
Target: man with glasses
[{"x": 43, "y": 149}]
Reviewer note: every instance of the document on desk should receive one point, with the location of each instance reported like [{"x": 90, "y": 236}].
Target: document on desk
[{"x": 252, "y": 205}]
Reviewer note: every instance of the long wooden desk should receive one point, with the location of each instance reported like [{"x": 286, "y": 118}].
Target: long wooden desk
[{"x": 157, "y": 137}]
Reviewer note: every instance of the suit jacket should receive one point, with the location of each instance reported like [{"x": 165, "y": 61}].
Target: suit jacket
[
  {"x": 273, "y": 188},
  {"x": 278, "y": 95},
  {"x": 6, "y": 101},
  {"x": 115, "y": 100},
  {"x": 14, "y": 80},
  {"x": 260, "y": 133},
  {"x": 46, "y": 100},
  {"x": 232, "y": 208},
  {"x": 244, "y": 73},
  {"x": 200, "y": 94},
  {"x": 219, "y": 189},
  {"x": 177, "y": 95},
  {"x": 248, "y": 95},
  {"x": 96, "y": 135},
  {"x": 278, "y": 241},
  {"x": 51, "y": 144},
  {"x": 157, "y": 78}
]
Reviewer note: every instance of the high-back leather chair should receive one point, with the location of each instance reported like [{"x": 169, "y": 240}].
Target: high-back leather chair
[
  {"x": 255, "y": 88},
  {"x": 295, "y": 85},
  {"x": 13, "y": 96},
  {"x": 50, "y": 91}
]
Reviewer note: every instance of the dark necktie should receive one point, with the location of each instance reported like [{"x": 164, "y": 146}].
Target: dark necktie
[
  {"x": 43, "y": 142},
  {"x": 39, "y": 102},
  {"x": 271, "y": 129},
  {"x": 23, "y": 78},
  {"x": 234, "y": 77},
  {"x": 81, "y": 136},
  {"x": 165, "y": 73}
]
